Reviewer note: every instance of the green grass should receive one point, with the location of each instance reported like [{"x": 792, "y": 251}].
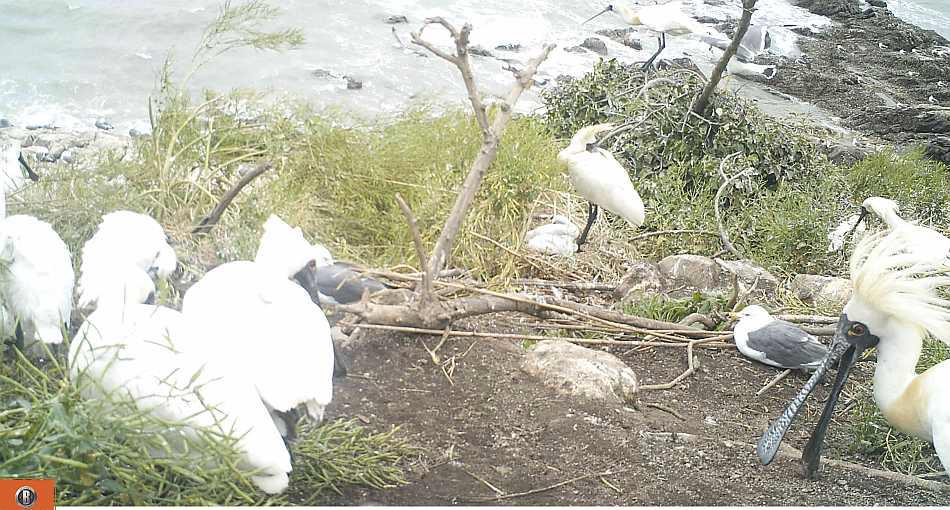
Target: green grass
[{"x": 663, "y": 308}]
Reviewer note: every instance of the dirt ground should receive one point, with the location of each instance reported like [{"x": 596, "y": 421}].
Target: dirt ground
[{"x": 493, "y": 430}]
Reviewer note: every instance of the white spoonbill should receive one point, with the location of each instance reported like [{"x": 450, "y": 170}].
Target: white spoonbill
[
  {"x": 149, "y": 354},
  {"x": 667, "y": 18},
  {"x": 36, "y": 278},
  {"x": 123, "y": 237},
  {"x": 781, "y": 344},
  {"x": 556, "y": 238},
  {"x": 599, "y": 178},
  {"x": 14, "y": 169},
  {"x": 270, "y": 327},
  {"x": 895, "y": 305},
  {"x": 924, "y": 242}
]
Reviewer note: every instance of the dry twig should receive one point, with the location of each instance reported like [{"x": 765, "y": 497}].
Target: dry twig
[
  {"x": 726, "y": 243},
  {"x": 212, "y": 219},
  {"x": 426, "y": 283},
  {"x": 774, "y": 381}
]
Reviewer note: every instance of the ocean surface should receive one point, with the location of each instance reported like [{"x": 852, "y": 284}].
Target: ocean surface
[{"x": 67, "y": 63}]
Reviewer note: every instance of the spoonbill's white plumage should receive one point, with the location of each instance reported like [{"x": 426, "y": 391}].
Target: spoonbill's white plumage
[
  {"x": 894, "y": 305},
  {"x": 599, "y": 178},
  {"x": 123, "y": 237},
  {"x": 14, "y": 170},
  {"x": 555, "y": 238},
  {"x": 925, "y": 242},
  {"x": 668, "y": 18},
  {"x": 750, "y": 69},
  {"x": 838, "y": 236},
  {"x": 271, "y": 327},
  {"x": 36, "y": 277},
  {"x": 755, "y": 42},
  {"x": 775, "y": 342},
  {"x": 151, "y": 356}
]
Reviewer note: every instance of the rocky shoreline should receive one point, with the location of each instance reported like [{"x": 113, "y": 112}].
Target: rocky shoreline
[{"x": 881, "y": 75}]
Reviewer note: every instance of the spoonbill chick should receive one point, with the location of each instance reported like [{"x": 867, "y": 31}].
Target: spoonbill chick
[
  {"x": 895, "y": 304},
  {"x": 924, "y": 242},
  {"x": 555, "y": 238},
  {"x": 36, "y": 278},
  {"x": 599, "y": 178},
  {"x": 781, "y": 344},
  {"x": 150, "y": 355},
  {"x": 14, "y": 170},
  {"x": 667, "y": 18},
  {"x": 123, "y": 237},
  {"x": 270, "y": 327}
]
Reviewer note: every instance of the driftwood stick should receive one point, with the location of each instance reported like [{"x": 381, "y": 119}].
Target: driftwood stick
[
  {"x": 212, "y": 219},
  {"x": 631, "y": 320},
  {"x": 702, "y": 102},
  {"x": 774, "y": 381},
  {"x": 517, "y": 336},
  {"x": 426, "y": 283},
  {"x": 585, "y": 286}
]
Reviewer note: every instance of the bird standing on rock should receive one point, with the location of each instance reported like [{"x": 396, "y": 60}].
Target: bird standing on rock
[
  {"x": 667, "y": 18},
  {"x": 599, "y": 178}
]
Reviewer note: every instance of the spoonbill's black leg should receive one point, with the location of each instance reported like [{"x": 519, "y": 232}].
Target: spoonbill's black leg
[
  {"x": 662, "y": 45},
  {"x": 592, "y": 210}
]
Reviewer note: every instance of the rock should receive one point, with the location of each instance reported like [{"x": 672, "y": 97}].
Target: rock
[
  {"x": 140, "y": 129},
  {"x": 321, "y": 73},
  {"x": 642, "y": 278},
  {"x": 823, "y": 290},
  {"x": 753, "y": 278},
  {"x": 104, "y": 124},
  {"x": 842, "y": 8},
  {"x": 878, "y": 3},
  {"x": 575, "y": 49},
  {"x": 581, "y": 372},
  {"x": 4, "y": 123},
  {"x": 596, "y": 45},
  {"x": 480, "y": 51},
  {"x": 709, "y": 20},
  {"x": 396, "y": 19},
  {"x": 16, "y": 133},
  {"x": 633, "y": 43},
  {"x": 691, "y": 273},
  {"x": 938, "y": 149},
  {"x": 353, "y": 83},
  {"x": 508, "y": 47}
]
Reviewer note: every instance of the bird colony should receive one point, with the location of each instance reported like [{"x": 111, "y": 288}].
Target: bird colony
[{"x": 166, "y": 360}]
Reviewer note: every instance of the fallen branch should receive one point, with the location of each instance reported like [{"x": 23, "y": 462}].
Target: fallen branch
[
  {"x": 664, "y": 409},
  {"x": 212, "y": 219},
  {"x": 814, "y": 319},
  {"x": 542, "y": 489},
  {"x": 711, "y": 343},
  {"x": 691, "y": 367},
  {"x": 583, "y": 286}
]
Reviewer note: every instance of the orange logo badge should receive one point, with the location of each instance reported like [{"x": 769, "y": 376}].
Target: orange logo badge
[{"x": 27, "y": 494}]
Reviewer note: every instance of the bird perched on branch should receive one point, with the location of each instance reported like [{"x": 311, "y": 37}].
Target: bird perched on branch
[
  {"x": 775, "y": 342},
  {"x": 667, "y": 18},
  {"x": 599, "y": 178}
]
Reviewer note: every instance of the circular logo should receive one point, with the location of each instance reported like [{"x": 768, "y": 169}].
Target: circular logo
[{"x": 25, "y": 497}]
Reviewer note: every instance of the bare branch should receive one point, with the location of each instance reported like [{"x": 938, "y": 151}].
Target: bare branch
[
  {"x": 726, "y": 243},
  {"x": 426, "y": 283},
  {"x": 702, "y": 102},
  {"x": 486, "y": 156},
  {"x": 212, "y": 219}
]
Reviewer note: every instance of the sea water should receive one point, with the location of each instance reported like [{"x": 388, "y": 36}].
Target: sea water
[{"x": 67, "y": 63}]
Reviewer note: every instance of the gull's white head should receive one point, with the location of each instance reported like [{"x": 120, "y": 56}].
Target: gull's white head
[{"x": 753, "y": 311}]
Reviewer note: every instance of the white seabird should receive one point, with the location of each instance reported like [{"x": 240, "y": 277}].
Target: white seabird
[{"x": 781, "y": 344}]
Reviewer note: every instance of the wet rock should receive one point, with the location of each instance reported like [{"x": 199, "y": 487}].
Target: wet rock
[
  {"x": 581, "y": 372},
  {"x": 596, "y": 45},
  {"x": 878, "y": 3},
  {"x": 104, "y": 124},
  {"x": 842, "y": 8},
  {"x": 938, "y": 149},
  {"x": 508, "y": 47},
  {"x": 4, "y": 123},
  {"x": 353, "y": 83},
  {"x": 709, "y": 20},
  {"x": 691, "y": 273},
  {"x": 823, "y": 290},
  {"x": 396, "y": 19},
  {"x": 642, "y": 278},
  {"x": 140, "y": 129},
  {"x": 480, "y": 51},
  {"x": 575, "y": 49},
  {"x": 321, "y": 73}
]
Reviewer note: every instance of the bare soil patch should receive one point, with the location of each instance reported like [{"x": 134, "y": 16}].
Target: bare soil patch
[{"x": 492, "y": 425}]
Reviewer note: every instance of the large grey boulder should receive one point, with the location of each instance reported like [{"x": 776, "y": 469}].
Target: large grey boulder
[
  {"x": 753, "y": 279},
  {"x": 821, "y": 290},
  {"x": 642, "y": 278},
  {"x": 691, "y": 273},
  {"x": 581, "y": 372}
]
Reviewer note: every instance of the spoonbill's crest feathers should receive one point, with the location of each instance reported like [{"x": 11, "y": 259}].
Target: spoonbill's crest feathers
[
  {"x": 889, "y": 278},
  {"x": 881, "y": 206},
  {"x": 588, "y": 134},
  {"x": 283, "y": 248}
]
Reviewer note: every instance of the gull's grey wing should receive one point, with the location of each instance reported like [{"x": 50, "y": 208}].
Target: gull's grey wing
[
  {"x": 787, "y": 345},
  {"x": 343, "y": 284}
]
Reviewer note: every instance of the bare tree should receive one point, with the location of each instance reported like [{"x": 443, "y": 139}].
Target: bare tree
[{"x": 702, "y": 102}]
